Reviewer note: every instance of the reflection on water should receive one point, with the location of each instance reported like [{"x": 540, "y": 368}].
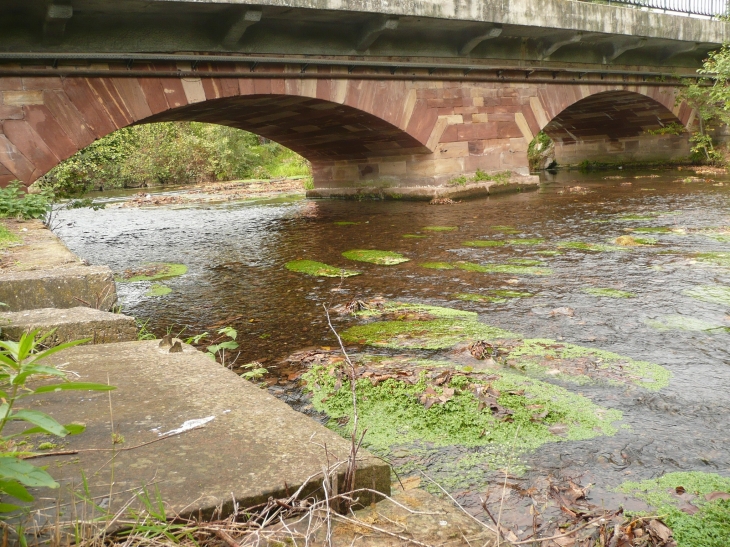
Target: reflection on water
[{"x": 236, "y": 256}]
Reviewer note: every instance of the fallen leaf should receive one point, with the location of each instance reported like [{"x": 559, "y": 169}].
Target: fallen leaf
[
  {"x": 659, "y": 530},
  {"x": 712, "y": 496}
]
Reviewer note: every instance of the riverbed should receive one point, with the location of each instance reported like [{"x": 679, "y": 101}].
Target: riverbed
[{"x": 661, "y": 300}]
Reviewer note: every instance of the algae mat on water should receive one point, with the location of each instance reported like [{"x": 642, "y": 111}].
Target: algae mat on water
[
  {"x": 710, "y": 293},
  {"x": 696, "y": 506},
  {"x": 382, "y": 258},
  {"x": 319, "y": 269},
  {"x": 608, "y": 293},
  {"x": 153, "y": 272}
]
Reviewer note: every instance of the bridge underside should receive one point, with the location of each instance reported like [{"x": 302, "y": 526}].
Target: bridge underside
[{"x": 619, "y": 126}]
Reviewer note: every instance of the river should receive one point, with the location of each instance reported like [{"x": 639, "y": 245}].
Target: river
[{"x": 236, "y": 256}]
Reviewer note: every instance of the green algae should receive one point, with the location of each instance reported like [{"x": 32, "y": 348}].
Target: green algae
[
  {"x": 345, "y": 223},
  {"x": 646, "y": 240},
  {"x": 579, "y": 364},
  {"x": 506, "y": 293},
  {"x": 608, "y": 293},
  {"x": 431, "y": 335},
  {"x": 437, "y": 265},
  {"x": 715, "y": 258},
  {"x": 650, "y": 230},
  {"x": 510, "y": 269},
  {"x": 406, "y": 311},
  {"x": 525, "y": 261},
  {"x": 158, "y": 289},
  {"x": 471, "y": 297},
  {"x": 154, "y": 272},
  {"x": 709, "y": 526},
  {"x": 684, "y": 323},
  {"x": 710, "y": 293},
  {"x": 526, "y": 241},
  {"x": 505, "y": 229},
  {"x": 382, "y": 258},
  {"x": 549, "y": 253},
  {"x": 483, "y": 243},
  {"x": 595, "y": 247},
  {"x": 319, "y": 269},
  {"x": 414, "y": 236},
  {"x": 393, "y": 415},
  {"x": 441, "y": 228}
]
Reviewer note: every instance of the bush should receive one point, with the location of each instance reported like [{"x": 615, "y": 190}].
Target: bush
[{"x": 16, "y": 203}]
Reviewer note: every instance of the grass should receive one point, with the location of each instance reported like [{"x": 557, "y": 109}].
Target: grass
[
  {"x": 709, "y": 526},
  {"x": 318, "y": 269},
  {"x": 7, "y": 237},
  {"x": 382, "y": 258},
  {"x": 502, "y": 177}
]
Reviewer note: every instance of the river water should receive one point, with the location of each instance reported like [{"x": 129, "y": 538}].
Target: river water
[{"x": 236, "y": 255}]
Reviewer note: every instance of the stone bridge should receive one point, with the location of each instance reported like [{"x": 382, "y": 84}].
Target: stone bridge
[{"x": 373, "y": 94}]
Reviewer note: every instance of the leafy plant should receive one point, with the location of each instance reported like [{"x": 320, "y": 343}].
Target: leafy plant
[
  {"x": 217, "y": 351},
  {"x": 16, "y": 203},
  {"x": 255, "y": 371},
  {"x": 20, "y": 362}
]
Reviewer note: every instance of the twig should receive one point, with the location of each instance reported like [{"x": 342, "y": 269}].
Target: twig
[
  {"x": 80, "y": 450},
  {"x": 566, "y": 534}
]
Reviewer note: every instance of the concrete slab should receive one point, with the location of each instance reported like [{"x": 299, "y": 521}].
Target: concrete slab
[
  {"x": 40, "y": 272},
  {"x": 70, "y": 324},
  {"x": 251, "y": 446}
]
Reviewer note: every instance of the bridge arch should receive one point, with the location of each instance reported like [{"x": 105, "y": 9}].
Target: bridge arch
[{"x": 617, "y": 125}]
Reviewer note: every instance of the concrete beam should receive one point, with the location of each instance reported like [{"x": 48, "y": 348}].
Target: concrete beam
[
  {"x": 54, "y": 27},
  {"x": 240, "y": 25},
  {"x": 373, "y": 30},
  {"x": 548, "y": 47},
  {"x": 477, "y": 39},
  {"x": 618, "y": 49},
  {"x": 678, "y": 49}
]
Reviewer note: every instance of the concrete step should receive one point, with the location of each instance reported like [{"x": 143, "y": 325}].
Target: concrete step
[
  {"x": 251, "y": 446},
  {"x": 69, "y": 324}
]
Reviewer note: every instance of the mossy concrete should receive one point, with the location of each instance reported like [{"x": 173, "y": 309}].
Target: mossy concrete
[
  {"x": 69, "y": 324},
  {"x": 252, "y": 447}
]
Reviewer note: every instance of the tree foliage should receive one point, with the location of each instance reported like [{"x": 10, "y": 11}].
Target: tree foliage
[{"x": 171, "y": 153}]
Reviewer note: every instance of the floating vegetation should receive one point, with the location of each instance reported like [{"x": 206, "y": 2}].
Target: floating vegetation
[
  {"x": 594, "y": 247},
  {"x": 718, "y": 234},
  {"x": 406, "y": 311},
  {"x": 525, "y": 261},
  {"x": 526, "y": 241},
  {"x": 153, "y": 272},
  {"x": 437, "y": 265},
  {"x": 630, "y": 241},
  {"x": 382, "y": 258},
  {"x": 483, "y": 243},
  {"x": 319, "y": 269},
  {"x": 511, "y": 269},
  {"x": 695, "y": 505},
  {"x": 656, "y": 230},
  {"x": 608, "y": 293},
  {"x": 549, "y": 253},
  {"x": 441, "y": 228},
  {"x": 505, "y": 229},
  {"x": 414, "y": 236},
  {"x": 345, "y": 223},
  {"x": 158, "y": 289},
  {"x": 683, "y": 322},
  {"x": 710, "y": 293},
  {"x": 714, "y": 258}
]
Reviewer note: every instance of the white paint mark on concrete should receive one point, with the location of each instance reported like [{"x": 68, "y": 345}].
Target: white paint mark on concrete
[{"x": 188, "y": 425}]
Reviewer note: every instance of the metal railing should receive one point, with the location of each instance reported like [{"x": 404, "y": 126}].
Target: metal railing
[{"x": 708, "y": 8}]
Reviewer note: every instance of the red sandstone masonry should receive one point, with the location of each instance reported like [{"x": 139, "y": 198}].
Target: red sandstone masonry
[{"x": 392, "y": 132}]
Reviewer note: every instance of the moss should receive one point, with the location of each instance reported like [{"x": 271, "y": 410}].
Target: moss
[
  {"x": 526, "y": 241},
  {"x": 437, "y": 265},
  {"x": 436, "y": 334},
  {"x": 47, "y": 446},
  {"x": 407, "y": 311},
  {"x": 441, "y": 228},
  {"x": 158, "y": 289},
  {"x": 483, "y": 243},
  {"x": 319, "y": 269},
  {"x": 345, "y": 223},
  {"x": 709, "y": 526},
  {"x": 710, "y": 293},
  {"x": 7, "y": 238},
  {"x": 608, "y": 293},
  {"x": 382, "y": 258},
  {"x": 581, "y": 364},
  {"x": 154, "y": 272},
  {"x": 683, "y": 322},
  {"x": 414, "y": 236},
  {"x": 510, "y": 269},
  {"x": 393, "y": 415}
]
